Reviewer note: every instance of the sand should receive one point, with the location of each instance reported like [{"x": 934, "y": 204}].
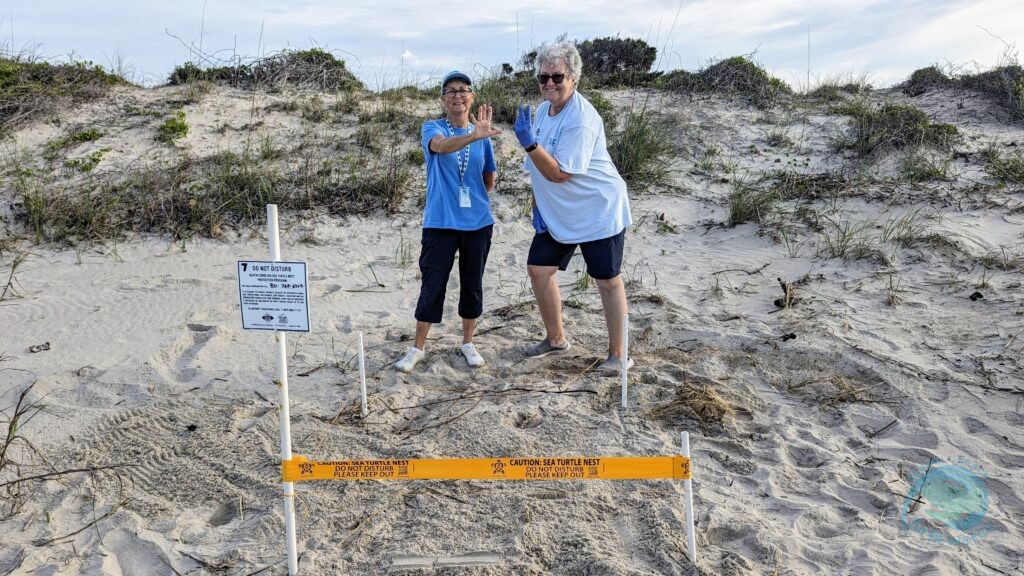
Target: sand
[{"x": 805, "y": 448}]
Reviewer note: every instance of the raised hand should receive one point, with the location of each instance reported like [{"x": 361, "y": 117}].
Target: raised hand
[
  {"x": 482, "y": 122},
  {"x": 524, "y": 126}
]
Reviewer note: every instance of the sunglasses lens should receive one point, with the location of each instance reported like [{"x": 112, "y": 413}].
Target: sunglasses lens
[{"x": 543, "y": 78}]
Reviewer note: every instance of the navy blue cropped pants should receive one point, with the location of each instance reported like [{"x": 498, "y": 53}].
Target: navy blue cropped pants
[{"x": 437, "y": 257}]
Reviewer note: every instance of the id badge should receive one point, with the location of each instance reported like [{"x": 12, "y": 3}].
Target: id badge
[{"x": 465, "y": 200}]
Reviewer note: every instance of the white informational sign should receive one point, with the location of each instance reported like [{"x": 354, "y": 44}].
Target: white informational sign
[{"x": 273, "y": 295}]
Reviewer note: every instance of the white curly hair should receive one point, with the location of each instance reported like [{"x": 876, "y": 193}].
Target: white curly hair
[{"x": 564, "y": 52}]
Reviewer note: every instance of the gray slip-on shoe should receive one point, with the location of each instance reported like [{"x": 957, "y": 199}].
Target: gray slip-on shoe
[
  {"x": 544, "y": 347},
  {"x": 614, "y": 365}
]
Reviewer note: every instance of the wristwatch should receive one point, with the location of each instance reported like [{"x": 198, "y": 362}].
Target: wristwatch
[{"x": 530, "y": 148}]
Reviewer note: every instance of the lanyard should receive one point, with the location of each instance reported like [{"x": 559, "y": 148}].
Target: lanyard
[{"x": 463, "y": 158}]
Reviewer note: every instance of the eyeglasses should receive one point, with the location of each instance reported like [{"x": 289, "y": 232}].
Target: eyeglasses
[
  {"x": 461, "y": 92},
  {"x": 543, "y": 78}
]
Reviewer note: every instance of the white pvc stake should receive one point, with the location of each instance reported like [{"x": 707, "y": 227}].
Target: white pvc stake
[
  {"x": 285, "y": 415},
  {"x": 362, "y": 376},
  {"x": 624, "y": 368},
  {"x": 691, "y": 540}
]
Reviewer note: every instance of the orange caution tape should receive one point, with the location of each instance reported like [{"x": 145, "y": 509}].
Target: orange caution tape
[{"x": 567, "y": 468}]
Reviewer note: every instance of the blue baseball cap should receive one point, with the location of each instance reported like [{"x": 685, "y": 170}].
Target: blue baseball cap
[{"x": 455, "y": 75}]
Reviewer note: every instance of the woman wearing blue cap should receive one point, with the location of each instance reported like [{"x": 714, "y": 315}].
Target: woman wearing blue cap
[{"x": 457, "y": 216}]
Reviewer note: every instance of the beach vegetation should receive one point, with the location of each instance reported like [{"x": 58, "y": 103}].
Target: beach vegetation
[
  {"x": 88, "y": 162},
  {"x": 749, "y": 203},
  {"x": 172, "y": 128},
  {"x": 415, "y": 156},
  {"x": 1003, "y": 84},
  {"x": 666, "y": 225},
  {"x": 205, "y": 196},
  {"x": 892, "y": 292},
  {"x": 314, "y": 109},
  {"x": 16, "y": 450},
  {"x": 838, "y": 88},
  {"x": 851, "y": 239},
  {"x": 790, "y": 185},
  {"x": 267, "y": 147},
  {"x": 709, "y": 162},
  {"x": 506, "y": 90},
  {"x": 924, "y": 80},
  {"x": 920, "y": 166},
  {"x": 54, "y": 147},
  {"x": 1006, "y": 168},
  {"x": 778, "y": 138},
  {"x": 31, "y": 88},
  {"x": 614, "y": 62},
  {"x": 312, "y": 68},
  {"x": 887, "y": 126},
  {"x": 738, "y": 76},
  {"x": 640, "y": 149}
]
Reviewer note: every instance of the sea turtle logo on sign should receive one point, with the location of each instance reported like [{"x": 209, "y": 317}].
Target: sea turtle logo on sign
[
  {"x": 947, "y": 503},
  {"x": 498, "y": 468}
]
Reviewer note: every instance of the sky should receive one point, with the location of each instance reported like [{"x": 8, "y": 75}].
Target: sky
[{"x": 388, "y": 42}]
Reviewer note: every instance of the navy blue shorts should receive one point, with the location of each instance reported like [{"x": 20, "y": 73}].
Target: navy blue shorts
[
  {"x": 437, "y": 256},
  {"x": 603, "y": 257}
]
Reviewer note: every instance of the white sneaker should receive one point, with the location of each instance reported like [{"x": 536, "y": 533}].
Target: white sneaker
[
  {"x": 473, "y": 358},
  {"x": 412, "y": 357}
]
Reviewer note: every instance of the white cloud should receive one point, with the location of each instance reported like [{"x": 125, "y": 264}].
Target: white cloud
[{"x": 888, "y": 36}]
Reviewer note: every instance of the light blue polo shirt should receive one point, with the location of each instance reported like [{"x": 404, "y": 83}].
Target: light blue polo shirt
[{"x": 442, "y": 208}]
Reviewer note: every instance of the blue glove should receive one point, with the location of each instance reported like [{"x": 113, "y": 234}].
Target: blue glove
[
  {"x": 524, "y": 126},
  {"x": 538, "y": 222}
]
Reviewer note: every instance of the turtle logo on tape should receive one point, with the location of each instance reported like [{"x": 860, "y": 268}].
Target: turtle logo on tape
[
  {"x": 498, "y": 468},
  {"x": 305, "y": 469},
  {"x": 947, "y": 503}
]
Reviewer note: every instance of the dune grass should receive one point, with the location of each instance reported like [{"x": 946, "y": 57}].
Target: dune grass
[
  {"x": 31, "y": 89},
  {"x": 205, "y": 196}
]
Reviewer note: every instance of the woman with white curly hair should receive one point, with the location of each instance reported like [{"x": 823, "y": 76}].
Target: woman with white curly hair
[{"x": 580, "y": 199}]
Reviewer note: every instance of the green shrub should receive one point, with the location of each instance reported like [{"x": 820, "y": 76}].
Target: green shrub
[
  {"x": 738, "y": 76},
  {"x": 173, "y": 128},
  {"x": 1004, "y": 84},
  {"x": 892, "y": 125},
  {"x": 314, "y": 68},
  {"x": 616, "y": 61},
  {"x": 925, "y": 79},
  {"x": 1005, "y": 168}
]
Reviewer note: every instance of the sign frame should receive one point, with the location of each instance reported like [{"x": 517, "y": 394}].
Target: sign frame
[{"x": 259, "y": 313}]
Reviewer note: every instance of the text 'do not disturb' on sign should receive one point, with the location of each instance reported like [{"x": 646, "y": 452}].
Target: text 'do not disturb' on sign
[{"x": 273, "y": 295}]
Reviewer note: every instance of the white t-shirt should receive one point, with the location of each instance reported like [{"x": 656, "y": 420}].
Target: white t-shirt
[{"x": 593, "y": 203}]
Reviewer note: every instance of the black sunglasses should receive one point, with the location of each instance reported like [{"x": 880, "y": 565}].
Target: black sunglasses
[{"x": 543, "y": 78}]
